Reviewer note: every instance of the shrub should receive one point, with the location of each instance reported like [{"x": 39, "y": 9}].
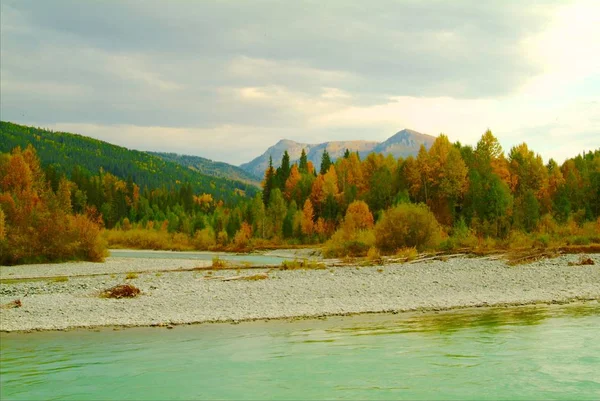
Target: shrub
[
  {"x": 341, "y": 244},
  {"x": 242, "y": 237},
  {"x": 407, "y": 253},
  {"x": 217, "y": 263},
  {"x": 222, "y": 238},
  {"x": 131, "y": 276},
  {"x": 204, "y": 239},
  {"x": 407, "y": 225},
  {"x": 374, "y": 257}
]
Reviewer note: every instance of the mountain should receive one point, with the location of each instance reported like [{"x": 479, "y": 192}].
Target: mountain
[
  {"x": 403, "y": 144},
  {"x": 210, "y": 167},
  {"x": 64, "y": 151},
  {"x": 313, "y": 152}
]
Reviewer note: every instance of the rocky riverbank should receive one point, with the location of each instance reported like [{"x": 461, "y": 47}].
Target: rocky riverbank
[{"x": 171, "y": 295}]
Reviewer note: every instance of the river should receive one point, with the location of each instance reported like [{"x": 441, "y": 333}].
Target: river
[{"x": 536, "y": 352}]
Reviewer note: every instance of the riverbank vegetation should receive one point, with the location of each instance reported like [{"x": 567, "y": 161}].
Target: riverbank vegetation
[
  {"x": 38, "y": 223},
  {"x": 449, "y": 198}
]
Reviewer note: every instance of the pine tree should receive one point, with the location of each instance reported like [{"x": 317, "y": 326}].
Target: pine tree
[
  {"x": 283, "y": 172},
  {"x": 325, "y": 162},
  {"x": 268, "y": 184},
  {"x": 303, "y": 166}
]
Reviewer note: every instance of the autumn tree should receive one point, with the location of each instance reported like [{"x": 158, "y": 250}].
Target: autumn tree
[
  {"x": 358, "y": 217},
  {"x": 308, "y": 216},
  {"x": 529, "y": 180},
  {"x": 37, "y": 223},
  {"x": 292, "y": 189},
  {"x": 276, "y": 212},
  {"x": 2, "y": 225},
  {"x": 355, "y": 235},
  {"x": 446, "y": 174}
]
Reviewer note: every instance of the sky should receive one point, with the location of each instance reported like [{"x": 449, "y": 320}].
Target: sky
[{"x": 227, "y": 79}]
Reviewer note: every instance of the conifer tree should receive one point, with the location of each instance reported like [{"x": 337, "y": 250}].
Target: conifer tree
[
  {"x": 325, "y": 162},
  {"x": 268, "y": 184},
  {"x": 303, "y": 166}
]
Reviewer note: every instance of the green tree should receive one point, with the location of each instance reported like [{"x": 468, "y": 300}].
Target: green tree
[
  {"x": 269, "y": 182},
  {"x": 303, "y": 165},
  {"x": 325, "y": 162}
]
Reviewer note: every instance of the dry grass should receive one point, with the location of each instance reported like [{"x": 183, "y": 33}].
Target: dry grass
[
  {"x": 574, "y": 249},
  {"x": 121, "y": 291},
  {"x": 520, "y": 257},
  {"x": 584, "y": 260},
  {"x": 131, "y": 276},
  {"x": 301, "y": 264},
  {"x": 255, "y": 277},
  {"x": 373, "y": 257},
  {"x": 217, "y": 263},
  {"x": 60, "y": 279},
  {"x": 407, "y": 254}
]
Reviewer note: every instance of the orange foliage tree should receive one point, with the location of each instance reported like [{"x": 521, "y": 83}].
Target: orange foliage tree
[{"x": 39, "y": 223}]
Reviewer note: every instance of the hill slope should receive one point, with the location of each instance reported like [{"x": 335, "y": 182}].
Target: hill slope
[
  {"x": 402, "y": 144},
  {"x": 65, "y": 151},
  {"x": 210, "y": 167}
]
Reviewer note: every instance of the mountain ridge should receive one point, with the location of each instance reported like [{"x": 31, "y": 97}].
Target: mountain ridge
[
  {"x": 210, "y": 167},
  {"x": 402, "y": 144},
  {"x": 64, "y": 151}
]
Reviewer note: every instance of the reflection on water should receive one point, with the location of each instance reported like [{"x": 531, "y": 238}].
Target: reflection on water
[{"x": 514, "y": 353}]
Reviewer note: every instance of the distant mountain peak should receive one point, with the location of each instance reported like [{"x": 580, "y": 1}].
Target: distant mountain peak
[{"x": 402, "y": 144}]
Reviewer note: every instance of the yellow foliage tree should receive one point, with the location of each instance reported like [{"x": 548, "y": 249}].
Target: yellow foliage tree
[{"x": 308, "y": 214}]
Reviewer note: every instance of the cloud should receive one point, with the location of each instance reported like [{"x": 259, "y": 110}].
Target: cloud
[{"x": 228, "y": 79}]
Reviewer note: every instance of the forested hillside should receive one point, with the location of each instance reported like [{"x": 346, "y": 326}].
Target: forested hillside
[
  {"x": 448, "y": 197},
  {"x": 60, "y": 153},
  {"x": 210, "y": 167}
]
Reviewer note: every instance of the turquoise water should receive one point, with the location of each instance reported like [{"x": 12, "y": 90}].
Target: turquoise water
[
  {"x": 520, "y": 353},
  {"x": 255, "y": 259}
]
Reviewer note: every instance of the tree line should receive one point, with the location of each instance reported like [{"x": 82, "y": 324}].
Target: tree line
[{"x": 449, "y": 195}]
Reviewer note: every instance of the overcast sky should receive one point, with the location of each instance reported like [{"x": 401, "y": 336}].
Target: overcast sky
[{"x": 227, "y": 79}]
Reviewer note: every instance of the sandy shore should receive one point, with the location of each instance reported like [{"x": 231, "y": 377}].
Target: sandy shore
[{"x": 180, "y": 297}]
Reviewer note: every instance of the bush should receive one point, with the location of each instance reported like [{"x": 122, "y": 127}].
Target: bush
[
  {"x": 217, "y": 263},
  {"x": 374, "y": 256},
  {"x": 341, "y": 244},
  {"x": 407, "y": 225},
  {"x": 204, "y": 239},
  {"x": 407, "y": 253}
]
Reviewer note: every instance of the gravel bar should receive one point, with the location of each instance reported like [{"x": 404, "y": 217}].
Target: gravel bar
[{"x": 184, "y": 297}]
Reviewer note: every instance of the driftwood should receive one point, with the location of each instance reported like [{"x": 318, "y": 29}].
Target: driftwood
[{"x": 12, "y": 304}]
